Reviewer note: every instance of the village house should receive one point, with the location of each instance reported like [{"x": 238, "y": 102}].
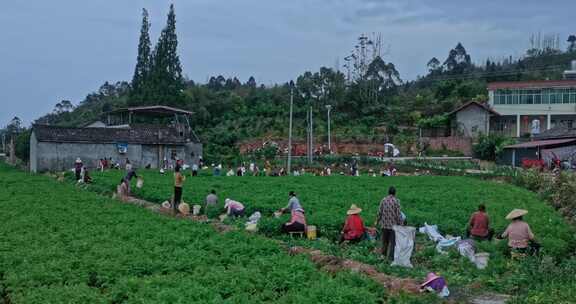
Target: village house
[{"x": 147, "y": 136}]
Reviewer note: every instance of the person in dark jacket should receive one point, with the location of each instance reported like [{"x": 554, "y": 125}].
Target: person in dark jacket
[{"x": 389, "y": 215}]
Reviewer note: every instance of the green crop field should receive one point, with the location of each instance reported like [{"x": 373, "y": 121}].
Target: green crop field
[
  {"x": 444, "y": 201},
  {"x": 61, "y": 243}
]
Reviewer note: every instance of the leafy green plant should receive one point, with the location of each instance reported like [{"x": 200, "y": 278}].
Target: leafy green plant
[{"x": 490, "y": 146}]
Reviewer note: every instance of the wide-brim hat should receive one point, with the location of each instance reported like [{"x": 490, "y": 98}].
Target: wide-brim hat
[
  {"x": 516, "y": 213},
  {"x": 353, "y": 210},
  {"x": 78, "y": 160},
  {"x": 429, "y": 278}
]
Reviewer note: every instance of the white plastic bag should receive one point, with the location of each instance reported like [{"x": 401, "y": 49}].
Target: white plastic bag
[
  {"x": 432, "y": 232},
  {"x": 404, "y": 245},
  {"x": 254, "y": 218},
  {"x": 466, "y": 249},
  {"x": 481, "y": 260}
]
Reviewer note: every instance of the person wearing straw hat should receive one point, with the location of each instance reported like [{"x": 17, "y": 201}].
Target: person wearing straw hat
[
  {"x": 520, "y": 237},
  {"x": 435, "y": 284},
  {"x": 353, "y": 230}
]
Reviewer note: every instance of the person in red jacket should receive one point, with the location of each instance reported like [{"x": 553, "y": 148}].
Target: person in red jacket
[
  {"x": 353, "y": 230},
  {"x": 479, "y": 225}
]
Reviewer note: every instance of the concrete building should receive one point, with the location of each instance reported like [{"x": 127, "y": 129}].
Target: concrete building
[
  {"x": 528, "y": 108},
  {"x": 523, "y": 106},
  {"x": 55, "y": 148},
  {"x": 471, "y": 119}
]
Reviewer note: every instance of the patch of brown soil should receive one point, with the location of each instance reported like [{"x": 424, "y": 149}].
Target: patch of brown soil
[{"x": 333, "y": 264}]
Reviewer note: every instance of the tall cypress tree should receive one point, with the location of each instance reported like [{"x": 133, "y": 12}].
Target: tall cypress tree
[
  {"x": 140, "y": 80},
  {"x": 166, "y": 69}
]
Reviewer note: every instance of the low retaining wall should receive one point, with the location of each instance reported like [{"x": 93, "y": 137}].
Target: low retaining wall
[{"x": 452, "y": 143}]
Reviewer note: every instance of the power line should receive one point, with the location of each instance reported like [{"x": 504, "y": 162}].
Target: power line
[{"x": 475, "y": 75}]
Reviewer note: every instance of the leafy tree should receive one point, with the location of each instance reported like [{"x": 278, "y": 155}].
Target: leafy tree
[
  {"x": 572, "y": 43},
  {"x": 141, "y": 78},
  {"x": 458, "y": 60},
  {"x": 63, "y": 107},
  {"x": 15, "y": 126},
  {"x": 166, "y": 73},
  {"x": 251, "y": 83},
  {"x": 383, "y": 76},
  {"x": 434, "y": 65}
]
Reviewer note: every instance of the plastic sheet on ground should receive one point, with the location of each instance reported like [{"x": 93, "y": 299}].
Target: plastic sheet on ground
[
  {"x": 404, "y": 245},
  {"x": 445, "y": 243},
  {"x": 466, "y": 249},
  {"x": 432, "y": 232}
]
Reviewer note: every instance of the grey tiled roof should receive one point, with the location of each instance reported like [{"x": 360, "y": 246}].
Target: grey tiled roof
[
  {"x": 560, "y": 131},
  {"x": 134, "y": 135}
]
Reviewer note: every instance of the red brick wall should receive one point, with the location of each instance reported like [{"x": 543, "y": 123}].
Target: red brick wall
[
  {"x": 436, "y": 143},
  {"x": 452, "y": 143}
]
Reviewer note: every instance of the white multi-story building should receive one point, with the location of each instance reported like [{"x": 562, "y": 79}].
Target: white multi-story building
[{"x": 524, "y": 104}]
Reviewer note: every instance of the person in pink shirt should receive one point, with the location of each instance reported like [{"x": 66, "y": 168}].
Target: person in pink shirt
[
  {"x": 297, "y": 222},
  {"x": 233, "y": 208},
  {"x": 519, "y": 234}
]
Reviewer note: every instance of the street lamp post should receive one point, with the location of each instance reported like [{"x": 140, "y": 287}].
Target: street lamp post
[
  {"x": 290, "y": 128},
  {"x": 329, "y": 108}
]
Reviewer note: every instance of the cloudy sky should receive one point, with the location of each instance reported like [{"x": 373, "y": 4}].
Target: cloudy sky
[{"x": 64, "y": 49}]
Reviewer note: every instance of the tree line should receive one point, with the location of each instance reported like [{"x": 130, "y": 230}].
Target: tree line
[{"x": 370, "y": 100}]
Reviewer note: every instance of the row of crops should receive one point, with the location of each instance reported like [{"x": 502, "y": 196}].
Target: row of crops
[
  {"x": 445, "y": 201},
  {"x": 62, "y": 245}
]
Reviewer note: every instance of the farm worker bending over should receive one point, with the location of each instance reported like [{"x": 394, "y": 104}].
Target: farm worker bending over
[
  {"x": 179, "y": 179},
  {"x": 127, "y": 178},
  {"x": 293, "y": 203},
  {"x": 389, "y": 215},
  {"x": 233, "y": 208},
  {"x": 353, "y": 230},
  {"x": 212, "y": 199},
  {"x": 297, "y": 222},
  {"x": 520, "y": 237},
  {"x": 479, "y": 225}
]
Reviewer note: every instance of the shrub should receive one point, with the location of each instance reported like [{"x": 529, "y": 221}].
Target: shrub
[{"x": 490, "y": 146}]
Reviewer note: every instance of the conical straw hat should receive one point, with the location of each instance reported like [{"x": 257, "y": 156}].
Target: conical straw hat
[{"x": 516, "y": 213}]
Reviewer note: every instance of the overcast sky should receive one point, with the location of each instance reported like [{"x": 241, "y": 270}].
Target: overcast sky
[{"x": 65, "y": 49}]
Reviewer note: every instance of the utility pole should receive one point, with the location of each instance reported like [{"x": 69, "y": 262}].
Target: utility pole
[
  {"x": 329, "y": 108},
  {"x": 12, "y": 151},
  {"x": 311, "y": 145},
  {"x": 290, "y": 128}
]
